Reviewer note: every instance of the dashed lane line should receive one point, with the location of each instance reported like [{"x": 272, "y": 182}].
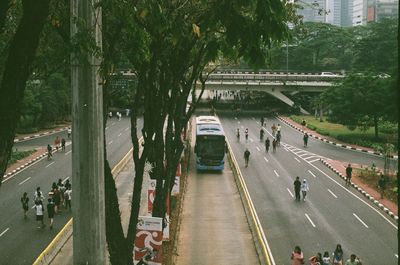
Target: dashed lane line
[
  {"x": 361, "y": 221},
  {"x": 68, "y": 152},
  {"x": 5, "y": 231},
  {"x": 112, "y": 124},
  {"x": 258, "y": 149},
  {"x": 276, "y": 173},
  {"x": 291, "y": 194},
  {"x": 50, "y": 164},
  {"x": 312, "y": 174},
  {"x": 333, "y": 194},
  {"x": 309, "y": 219},
  {"x": 119, "y": 134},
  {"x": 65, "y": 180},
  {"x": 110, "y": 142},
  {"x": 127, "y": 128},
  {"x": 251, "y": 140},
  {"x": 22, "y": 182},
  {"x": 106, "y": 128},
  {"x": 297, "y": 159},
  {"x": 266, "y": 160}
]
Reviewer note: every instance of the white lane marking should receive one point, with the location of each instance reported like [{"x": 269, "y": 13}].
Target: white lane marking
[
  {"x": 361, "y": 221},
  {"x": 110, "y": 142},
  {"x": 22, "y": 182},
  {"x": 251, "y": 140},
  {"x": 127, "y": 128},
  {"x": 276, "y": 173},
  {"x": 291, "y": 194},
  {"x": 309, "y": 219},
  {"x": 297, "y": 160},
  {"x": 65, "y": 180},
  {"x": 266, "y": 160},
  {"x": 119, "y": 134},
  {"x": 305, "y": 154},
  {"x": 241, "y": 126},
  {"x": 312, "y": 161},
  {"x": 68, "y": 152},
  {"x": 106, "y": 128},
  {"x": 397, "y": 256},
  {"x": 333, "y": 194},
  {"x": 286, "y": 149},
  {"x": 50, "y": 164},
  {"x": 297, "y": 153},
  {"x": 5, "y": 231},
  {"x": 312, "y": 174},
  {"x": 258, "y": 149},
  {"x": 112, "y": 123},
  {"x": 347, "y": 190}
]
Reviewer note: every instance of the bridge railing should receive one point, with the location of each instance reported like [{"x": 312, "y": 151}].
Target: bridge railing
[{"x": 273, "y": 77}]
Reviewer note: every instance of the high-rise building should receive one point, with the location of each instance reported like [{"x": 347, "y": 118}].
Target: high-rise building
[
  {"x": 312, "y": 10},
  {"x": 339, "y": 12},
  {"x": 386, "y": 9}
]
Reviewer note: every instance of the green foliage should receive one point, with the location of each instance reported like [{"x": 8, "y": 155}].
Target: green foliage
[{"x": 18, "y": 155}]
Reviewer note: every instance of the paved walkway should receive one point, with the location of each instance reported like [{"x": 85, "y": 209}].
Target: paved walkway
[{"x": 214, "y": 228}]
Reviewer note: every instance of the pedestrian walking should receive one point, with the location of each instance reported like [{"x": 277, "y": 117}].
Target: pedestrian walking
[
  {"x": 305, "y": 139},
  {"x": 50, "y": 211},
  {"x": 246, "y": 157},
  {"x": 110, "y": 114},
  {"x": 246, "y": 133},
  {"x": 382, "y": 185},
  {"x": 261, "y": 134},
  {"x": 49, "y": 152},
  {"x": 326, "y": 259},
  {"x": 262, "y": 121},
  {"x": 69, "y": 131},
  {"x": 278, "y": 128},
  {"x": 56, "y": 199},
  {"x": 63, "y": 144},
  {"x": 274, "y": 143},
  {"x": 349, "y": 171},
  {"x": 67, "y": 197},
  {"x": 354, "y": 260},
  {"x": 273, "y": 129},
  {"x": 316, "y": 260},
  {"x": 25, "y": 203},
  {"x": 304, "y": 189},
  {"x": 338, "y": 255},
  {"x": 238, "y": 134},
  {"x": 278, "y": 138},
  {"x": 38, "y": 195},
  {"x": 39, "y": 214},
  {"x": 297, "y": 256},
  {"x": 267, "y": 145},
  {"x": 297, "y": 186},
  {"x": 57, "y": 142}
]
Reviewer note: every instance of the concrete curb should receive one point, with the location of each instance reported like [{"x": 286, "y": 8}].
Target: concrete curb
[
  {"x": 259, "y": 239},
  {"x": 334, "y": 143},
  {"x": 39, "y": 135},
  {"x": 371, "y": 198}
]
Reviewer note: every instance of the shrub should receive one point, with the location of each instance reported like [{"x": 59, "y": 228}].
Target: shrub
[{"x": 18, "y": 155}]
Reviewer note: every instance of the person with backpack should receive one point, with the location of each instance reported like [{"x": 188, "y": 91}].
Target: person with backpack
[{"x": 25, "y": 203}]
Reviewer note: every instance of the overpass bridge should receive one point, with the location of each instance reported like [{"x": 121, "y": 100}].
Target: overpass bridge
[{"x": 273, "y": 83}]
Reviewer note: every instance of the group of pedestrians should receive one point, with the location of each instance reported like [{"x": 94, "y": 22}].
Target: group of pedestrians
[
  {"x": 301, "y": 186},
  {"x": 59, "y": 195},
  {"x": 337, "y": 258},
  {"x": 58, "y": 143}
]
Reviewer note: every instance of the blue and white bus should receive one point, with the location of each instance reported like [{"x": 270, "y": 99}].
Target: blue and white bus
[{"x": 210, "y": 143}]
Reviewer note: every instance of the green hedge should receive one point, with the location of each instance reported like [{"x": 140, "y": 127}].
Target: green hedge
[{"x": 18, "y": 155}]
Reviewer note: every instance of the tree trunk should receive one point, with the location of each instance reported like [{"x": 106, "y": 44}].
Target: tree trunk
[
  {"x": 376, "y": 126},
  {"x": 17, "y": 69}
]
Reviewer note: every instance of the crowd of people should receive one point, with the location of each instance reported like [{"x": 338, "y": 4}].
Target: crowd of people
[
  {"x": 59, "y": 197},
  {"x": 337, "y": 258}
]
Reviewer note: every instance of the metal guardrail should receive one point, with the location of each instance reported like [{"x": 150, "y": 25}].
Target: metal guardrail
[
  {"x": 51, "y": 251},
  {"x": 273, "y": 77},
  {"x": 263, "y": 249}
]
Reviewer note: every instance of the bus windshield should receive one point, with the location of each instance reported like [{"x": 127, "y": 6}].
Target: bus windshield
[{"x": 210, "y": 146}]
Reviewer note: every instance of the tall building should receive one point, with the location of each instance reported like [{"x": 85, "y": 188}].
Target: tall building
[
  {"x": 312, "y": 10},
  {"x": 339, "y": 12},
  {"x": 386, "y": 9},
  {"x": 365, "y": 11}
]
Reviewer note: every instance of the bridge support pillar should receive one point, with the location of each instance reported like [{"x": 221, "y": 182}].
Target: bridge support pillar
[{"x": 278, "y": 94}]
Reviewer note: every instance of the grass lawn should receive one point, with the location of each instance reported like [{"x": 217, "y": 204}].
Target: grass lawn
[{"x": 342, "y": 133}]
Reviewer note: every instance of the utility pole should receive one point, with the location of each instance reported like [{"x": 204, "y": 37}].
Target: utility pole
[{"x": 89, "y": 243}]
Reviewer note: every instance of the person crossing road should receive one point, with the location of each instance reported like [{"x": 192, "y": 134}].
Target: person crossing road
[
  {"x": 267, "y": 143},
  {"x": 246, "y": 157},
  {"x": 246, "y": 133},
  {"x": 297, "y": 186},
  {"x": 304, "y": 189},
  {"x": 262, "y": 134}
]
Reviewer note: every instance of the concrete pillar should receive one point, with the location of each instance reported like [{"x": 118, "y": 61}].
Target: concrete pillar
[
  {"x": 278, "y": 94},
  {"x": 89, "y": 244}
]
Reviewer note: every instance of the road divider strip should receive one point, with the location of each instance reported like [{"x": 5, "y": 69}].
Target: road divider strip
[
  {"x": 261, "y": 243},
  {"x": 367, "y": 195},
  {"x": 51, "y": 251},
  {"x": 39, "y": 135}
]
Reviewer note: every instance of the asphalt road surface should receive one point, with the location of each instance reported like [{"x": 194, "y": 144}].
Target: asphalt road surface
[
  {"x": 20, "y": 240},
  {"x": 331, "y": 214}
]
